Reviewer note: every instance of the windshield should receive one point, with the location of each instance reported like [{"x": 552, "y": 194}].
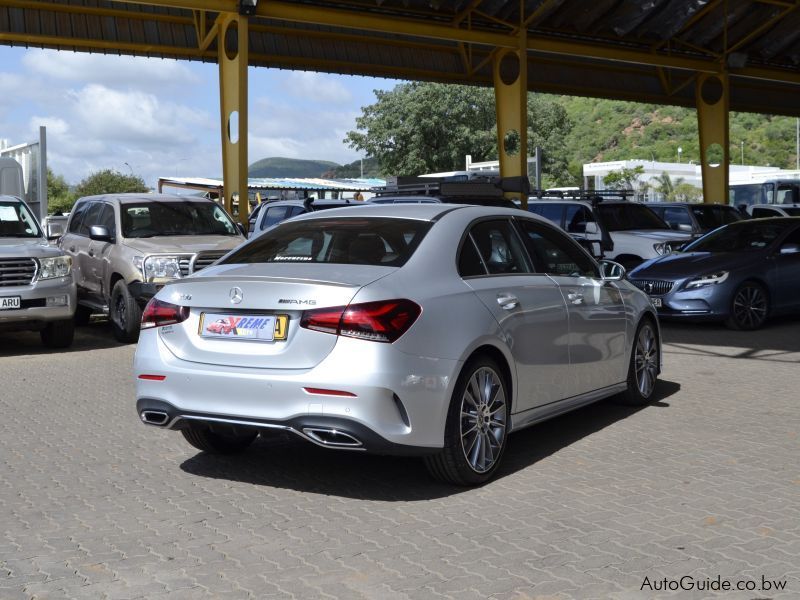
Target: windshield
[
  {"x": 627, "y": 217},
  {"x": 355, "y": 241},
  {"x": 745, "y": 236},
  {"x": 150, "y": 219},
  {"x": 711, "y": 217},
  {"x": 791, "y": 211},
  {"x": 17, "y": 221}
]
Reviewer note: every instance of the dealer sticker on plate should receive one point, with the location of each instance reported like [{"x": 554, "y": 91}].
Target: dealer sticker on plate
[
  {"x": 10, "y": 302},
  {"x": 264, "y": 328},
  {"x": 656, "y": 302}
]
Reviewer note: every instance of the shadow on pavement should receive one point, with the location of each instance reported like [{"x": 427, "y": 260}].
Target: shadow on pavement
[
  {"x": 96, "y": 335},
  {"x": 282, "y": 461},
  {"x": 781, "y": 334}
]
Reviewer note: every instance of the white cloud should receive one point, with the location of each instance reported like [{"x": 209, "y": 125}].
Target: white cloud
[
  {"x": 317, "y": 86},
  {"x": 130, "y": 71}
]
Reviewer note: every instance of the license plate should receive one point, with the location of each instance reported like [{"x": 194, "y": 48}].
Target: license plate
[
  {"x": 262, "y": 328},
  {"x": 10, "y": 302},
  {"x": 656, "y": 302}
]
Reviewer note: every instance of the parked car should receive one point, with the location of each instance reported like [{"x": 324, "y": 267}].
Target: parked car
[
  {"x": 268, "y": 214},
  {"x": 428, "y": 330},
  {"x": 774, "y": 210},
  {"x": 36, "y": 288},
  {"x": 126, "y": 246},
  {"x": 741, "y": 274},
  {"x": 628, "y": 232},
  {"x": 695, "y": 218}
]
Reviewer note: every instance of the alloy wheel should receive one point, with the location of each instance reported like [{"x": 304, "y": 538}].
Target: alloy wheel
[
  {"x": 646, "y": 360},
  {"x": 750, "y": 307},
  {"x": 121, "y": 312},
  {"x": 483, "y": 419}
]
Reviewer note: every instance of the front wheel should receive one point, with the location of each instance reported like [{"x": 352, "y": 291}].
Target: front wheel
[
  {"x": 643, "y": 367},
  {"x": 232, "y": 442},
  {"x": 476, "y": 428},
  {"x": 125, "y": 314},
  {"x": 749, "y": 307}
]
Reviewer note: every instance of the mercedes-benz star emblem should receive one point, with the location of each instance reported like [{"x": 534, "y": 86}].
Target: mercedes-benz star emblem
[{"x": 236, "y": 295}]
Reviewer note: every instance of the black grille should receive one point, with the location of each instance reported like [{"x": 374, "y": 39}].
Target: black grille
[
  {"x": 184, "y": 262},
  {"x": 653, "y": 287},
  {"x": 17, "y": 271},
  {"x": 204, "y": 259}
]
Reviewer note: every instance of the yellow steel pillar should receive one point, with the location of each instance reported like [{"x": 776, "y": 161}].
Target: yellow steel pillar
[
  {"x": 511, "y": 103},
  {"x": 232, "y": 51},
  {"x": 712, "y": 123}
]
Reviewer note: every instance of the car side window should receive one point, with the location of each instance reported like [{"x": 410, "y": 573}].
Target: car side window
[
  {"x": 500, "y": 247},
  {"x": 469, "y": 261},
  {"x": 274, "y": 215},
  {"x": 764, "y": 212},
  {"x": 576, "y": 218},
  {"x": 677, "y": 216},
  {"x": 294, "y": 211},
  {"x": 551, "y": 212},
  {"x": 554, "y": 253},
  {"x": 77, "y": 216},
  {"x": 92, "y": 217},
  {"x": 106, "y": 219}
]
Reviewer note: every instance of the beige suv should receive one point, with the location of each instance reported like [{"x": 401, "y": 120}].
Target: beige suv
[{"x": 124, "y": 247}]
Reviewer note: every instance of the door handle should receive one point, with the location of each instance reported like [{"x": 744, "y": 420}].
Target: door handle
[
  {"x": 507, "y": 301},
  {"x": 91, "y": 252},
  {"x": 575, "y": 297}
]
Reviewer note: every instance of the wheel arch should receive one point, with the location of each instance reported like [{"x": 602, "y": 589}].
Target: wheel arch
[{"x": 503, "y": 361}]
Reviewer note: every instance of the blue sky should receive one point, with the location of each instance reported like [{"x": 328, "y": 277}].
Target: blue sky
[{"x": 161, "y": 117}]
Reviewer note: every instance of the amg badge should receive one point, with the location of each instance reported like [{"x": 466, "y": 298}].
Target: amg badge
[{"x": 294, "y": 301}]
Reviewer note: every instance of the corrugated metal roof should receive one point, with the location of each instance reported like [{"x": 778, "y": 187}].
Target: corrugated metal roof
[
  {"x": 757, "y": 39},
  {"x": 277, "y": 183}
]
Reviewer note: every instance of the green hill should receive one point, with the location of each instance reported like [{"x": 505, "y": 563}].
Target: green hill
[{"x": 289, "y": 167}]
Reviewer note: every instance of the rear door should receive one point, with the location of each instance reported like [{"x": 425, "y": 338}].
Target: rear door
[
  {"x": 597, "y": 320},
  {"x": 528, "y": 306},
  {"x": 787, "y": 274}
]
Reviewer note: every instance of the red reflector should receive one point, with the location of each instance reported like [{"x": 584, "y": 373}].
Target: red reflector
[
  {"x": 158, "y": 313},
  {"x": 153, "y": 377},
  {"x": 324, "y": 392}
]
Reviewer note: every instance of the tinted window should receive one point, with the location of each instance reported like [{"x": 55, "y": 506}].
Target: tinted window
[
  {"x": 273, "y": 216},
  {"x": 787, "y": 194},
  {"x": 627, "y": 217},
  {"x": 745, "y": 236},
  {"x": 745, "y": 194},
  {"x": 675, "y": 216},
  {"x": 555, "y": 253},
  {"x": 361, "y": 241},
  {"x": 499, "y": 247},
  {"x": 106, "y": 219},
  {"x": 92, "y": 218},
  {"x": 551, "y": 212},
  {"x": 150, "y": 219},
  {"x": 469, "y": 262},
  {"x": 576, "y": 218},
  {"x": 77, "y": 215},
  {"x": 711, "y": 217},
  {"x": 765, "y": 212},
  {"x": 297, "y": 210},
  {"x": 16, "y": 221}
]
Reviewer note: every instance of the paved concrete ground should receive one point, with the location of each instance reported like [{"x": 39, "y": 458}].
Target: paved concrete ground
[{"x": 705, "y": 482}]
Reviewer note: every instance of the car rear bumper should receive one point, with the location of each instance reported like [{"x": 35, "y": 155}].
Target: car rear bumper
[{"x": 397, "y": 403}]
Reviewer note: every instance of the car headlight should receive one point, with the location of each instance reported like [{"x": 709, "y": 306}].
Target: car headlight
[
  {"x": 713, "y": 279},
  {"x": 58, "y": 266},
  {"x": 161, "y": 267},
  {"x": 662, "y": 248}
]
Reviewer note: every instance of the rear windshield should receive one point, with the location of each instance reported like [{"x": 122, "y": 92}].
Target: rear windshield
[
  {"x": 711, "y": 217},
  {"x": 355, "y": 241},
  {"x": 153, "y": 219},
  {"x": 628, "y": 217},
  {"x": 16, "y": 221}
]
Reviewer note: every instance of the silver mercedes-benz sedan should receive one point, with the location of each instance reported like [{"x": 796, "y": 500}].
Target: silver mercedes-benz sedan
[{"x": 429, "y": 329}]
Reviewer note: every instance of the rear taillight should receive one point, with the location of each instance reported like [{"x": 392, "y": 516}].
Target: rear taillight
[
  {"x": 383, "y": 321},
  {"x": 158, "y": 313}
]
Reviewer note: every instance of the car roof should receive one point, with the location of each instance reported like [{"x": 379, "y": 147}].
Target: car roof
[
  {"x": 7, "y": 198},
  {"x": 689, "y": 204},
  {"x": 136, "y": 198},
  {"x": 423, "y": 212}
]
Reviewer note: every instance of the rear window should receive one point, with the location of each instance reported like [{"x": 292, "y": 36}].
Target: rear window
[{"x": 355, "y": 241}]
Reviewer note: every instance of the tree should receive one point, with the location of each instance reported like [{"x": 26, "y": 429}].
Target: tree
[
  {"x": 675, "y": 189},
  {"x": 109, "y": 181},
  {"x": 624, "y": 178},
  {"x": 428, "y": 127},
  {"x": 686, "y": 192},
  {"x": 59, "y": 196}
]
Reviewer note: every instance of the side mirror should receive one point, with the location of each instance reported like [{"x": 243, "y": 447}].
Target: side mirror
[
  {"x": 790, "y": 248},
  {"x": 684, "y": 227},
  {"x": 612, "y": 271},
  {"x": 100, "y": 233},
  {"x": 591, "y": 228}
]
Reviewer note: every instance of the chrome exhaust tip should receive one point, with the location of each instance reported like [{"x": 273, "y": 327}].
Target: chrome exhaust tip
[
  {"x": 331, "y": 437},
  {"x": 154, "y": 417}
]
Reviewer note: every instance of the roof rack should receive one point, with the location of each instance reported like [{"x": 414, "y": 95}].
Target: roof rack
[
  {"x": 593, "y": 196},
  {"x": 468, "y": 184}
]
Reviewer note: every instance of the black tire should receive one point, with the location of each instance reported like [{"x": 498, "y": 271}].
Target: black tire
[
  {"x": 58, "y": 334},
  {"x": 124, "y": 313},
  {"x": 452, "y": 464},
  {"x": 82, "y": 315},
  {"x": 749, "y": 307},
  {"x": 214, "y": 442},
  {"x": 644, "y": 362}
]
